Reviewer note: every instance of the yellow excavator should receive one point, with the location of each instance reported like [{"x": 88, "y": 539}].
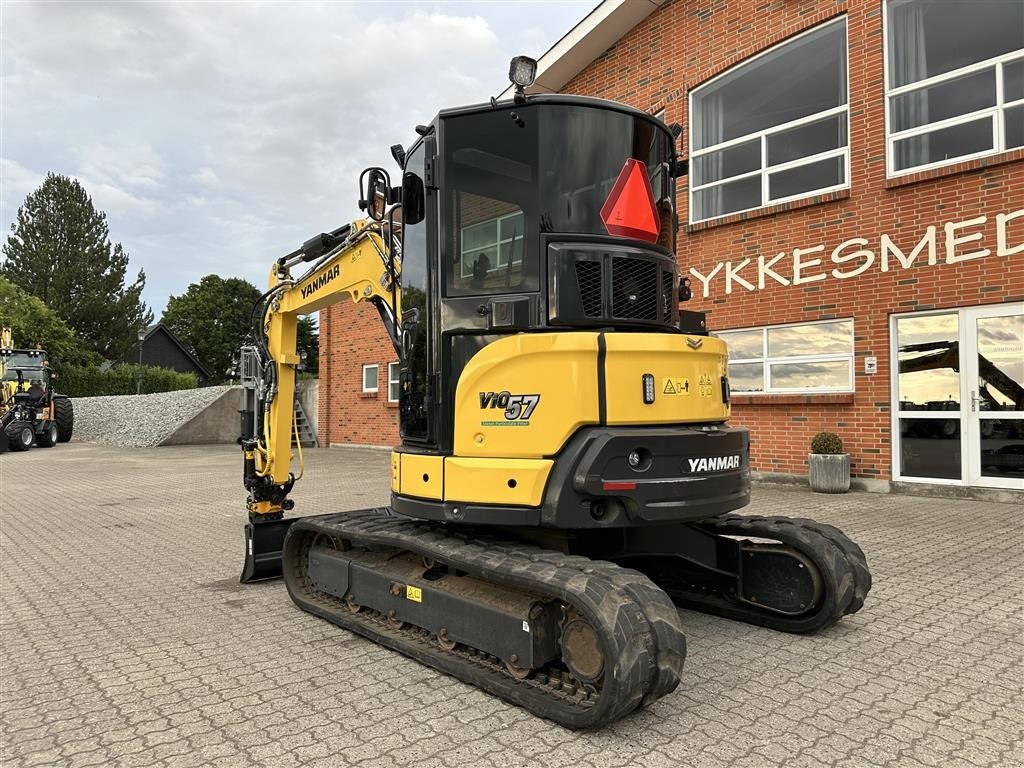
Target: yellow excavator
[{"x": 566, "y": 471}]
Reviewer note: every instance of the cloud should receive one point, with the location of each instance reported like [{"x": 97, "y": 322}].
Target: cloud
[{"x": 220, "y": 135}]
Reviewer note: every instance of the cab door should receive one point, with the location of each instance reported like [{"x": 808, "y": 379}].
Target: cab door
[{"x": 416, "y": 406}]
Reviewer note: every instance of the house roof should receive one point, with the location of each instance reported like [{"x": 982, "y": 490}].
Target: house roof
[
  {"x": 592, "y": 36},
  {"x": 188, "y": 352}
]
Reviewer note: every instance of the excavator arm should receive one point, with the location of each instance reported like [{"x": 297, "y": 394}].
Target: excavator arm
[{"x": 357, "y": 261}]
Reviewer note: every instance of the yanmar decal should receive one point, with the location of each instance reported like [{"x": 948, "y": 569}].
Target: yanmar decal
[
  {"x": 320, "y": 282},
  {"x": 715, "y": 463},
  {"x": 517, "y": 408}
]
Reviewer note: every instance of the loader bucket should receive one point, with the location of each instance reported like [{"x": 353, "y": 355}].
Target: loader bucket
[{"x": 263, "y": 545}]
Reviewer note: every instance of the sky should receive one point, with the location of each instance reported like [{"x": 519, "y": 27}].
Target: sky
[{"x": 218, "y": 136}]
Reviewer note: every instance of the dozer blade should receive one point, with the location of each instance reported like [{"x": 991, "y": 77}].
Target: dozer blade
[{"x": 263, "y": 545}]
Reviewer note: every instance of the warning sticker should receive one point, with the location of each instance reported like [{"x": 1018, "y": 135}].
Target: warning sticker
[
  {"x": 413, "y": 593},
  {"x": 707, "y": 387},
  {"x": 675, "y": 386}
]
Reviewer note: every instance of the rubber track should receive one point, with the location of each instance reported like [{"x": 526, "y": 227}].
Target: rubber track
[
  {"x": 642, "y": 640},
  {"x": 840, "y": 562}
]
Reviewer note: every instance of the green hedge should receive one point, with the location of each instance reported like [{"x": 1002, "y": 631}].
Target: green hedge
[{"x": 82, "y": 381}]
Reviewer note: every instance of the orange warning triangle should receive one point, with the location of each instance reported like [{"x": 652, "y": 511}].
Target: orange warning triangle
[{"x": 629, "y": 210}]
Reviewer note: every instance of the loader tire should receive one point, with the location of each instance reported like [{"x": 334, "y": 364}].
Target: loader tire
[
  {"x": 23, "y": 439},
  {"x": 48, "y": 437},
  {"x": 64, "y": 415}
]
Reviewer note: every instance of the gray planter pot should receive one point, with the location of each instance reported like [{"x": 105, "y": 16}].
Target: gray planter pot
[{"x": 829, "y": 472}]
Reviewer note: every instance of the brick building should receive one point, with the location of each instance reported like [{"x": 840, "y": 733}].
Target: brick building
[{"x": 852, "y": 223}]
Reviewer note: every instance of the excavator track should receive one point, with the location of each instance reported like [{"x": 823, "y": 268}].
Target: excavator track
[
  {"x": 810, "y": 559},
  {"x": 623, "y": 632}
]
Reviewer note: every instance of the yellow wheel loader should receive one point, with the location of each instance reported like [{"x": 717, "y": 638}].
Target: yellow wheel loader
[
  {"x": 567, "y": 473},
  {"x": 31, "y": 413}
]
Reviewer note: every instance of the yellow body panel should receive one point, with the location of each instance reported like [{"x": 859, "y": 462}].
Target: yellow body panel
[
  {"x": 421, "y": 476},
  {"x": 496, "y": 481},
  {"x": 396, "y": 471},
  {"x": 560, "y": 368},
  {"x": 687, "y": 381}
]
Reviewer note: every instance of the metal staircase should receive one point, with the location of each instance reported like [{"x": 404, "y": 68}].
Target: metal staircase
[{"x": 305, "y": 430}]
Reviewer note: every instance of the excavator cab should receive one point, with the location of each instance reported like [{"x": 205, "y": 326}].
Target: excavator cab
[{"x": 540, "y": 301}]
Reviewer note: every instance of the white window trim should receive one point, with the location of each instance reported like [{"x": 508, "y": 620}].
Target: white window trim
[
  {"x": 365, "y": 369},
  {"x": 392, "y": 381},
  {"x": 765, "y": 171},
  {"x": 995, "y": 113},
  {"x": 766, "y": 361}
]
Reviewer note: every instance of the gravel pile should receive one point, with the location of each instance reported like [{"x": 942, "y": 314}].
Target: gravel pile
[{"x": 139, "y": 421}]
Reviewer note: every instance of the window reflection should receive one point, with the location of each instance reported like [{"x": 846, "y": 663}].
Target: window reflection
[
  {"x": 813, "y": 339},
  {"x": 930, "y": 448},
  {"x": 746, "y": 377},
  {"x": 744, "y": 345},
  {"x": 1001, "y": 363},
  {"x": 929, "y": 362},
  {"x": 1002, "y": 447},
  {"x": 833, "y": 374},
  {"x": 801, "y": 358}
]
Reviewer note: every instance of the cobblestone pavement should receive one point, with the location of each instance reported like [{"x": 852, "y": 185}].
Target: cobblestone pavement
[{"x": 127, "y": 640}]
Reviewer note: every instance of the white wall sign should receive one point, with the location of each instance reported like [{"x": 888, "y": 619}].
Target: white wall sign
[{"x": 952, "y": 243}]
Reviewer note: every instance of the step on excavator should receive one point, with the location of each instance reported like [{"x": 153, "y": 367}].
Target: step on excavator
[{"x": 567, "y": 475}]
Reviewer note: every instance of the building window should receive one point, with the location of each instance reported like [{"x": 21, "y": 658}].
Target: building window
[
  {"x": 772, "y": 129},
  {"x": 486, "y": 245},
  {"x": 809, "y": 357},
  {"x": 393, "y": 382},
  {"x": 954, "y": 81},
  {"x": 370, "y": 377}
]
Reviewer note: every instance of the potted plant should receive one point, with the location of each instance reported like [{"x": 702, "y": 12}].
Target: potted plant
[{"x": 829, "y": 466}]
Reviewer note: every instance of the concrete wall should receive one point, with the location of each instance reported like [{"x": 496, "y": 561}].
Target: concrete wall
[
  {"x": 217, "y": 423},
  {"x": 309, "y": 396}
]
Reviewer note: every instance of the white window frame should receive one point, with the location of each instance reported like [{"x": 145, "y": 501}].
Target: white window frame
[
  {"x": 393, "y": 380},
  {"x": 766, "y": 171},
  {"x": 499, "y": 264},
  {"x": 377, "y": 370},
  {"x": 766, "y": 360},
  {"x": 996, "y": 114}
]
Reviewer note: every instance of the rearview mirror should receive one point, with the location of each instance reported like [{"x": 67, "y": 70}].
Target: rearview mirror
[
  {"x": 413, "y": 206},
  {"x": 378, "y": 192}
]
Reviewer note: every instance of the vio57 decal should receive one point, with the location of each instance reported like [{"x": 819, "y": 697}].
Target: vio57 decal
[{"x": 516, "y": 407}]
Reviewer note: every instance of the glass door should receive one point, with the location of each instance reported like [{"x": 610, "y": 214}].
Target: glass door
[
  {"x": 993, "y": 379},
  {"x": 927, "y": 413}
]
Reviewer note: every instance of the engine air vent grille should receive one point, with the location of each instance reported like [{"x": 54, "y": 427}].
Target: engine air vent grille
[
  {"x": 588, "y": 279},
  {"x": 635, "y": 289}
]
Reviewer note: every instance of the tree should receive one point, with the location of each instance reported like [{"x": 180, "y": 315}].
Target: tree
[
  {"x": 32, "y": 323},
  {"x": 212, "y": 317},
  {"x": 59, "y": 250},
  {"x": 308, "y": 344}
]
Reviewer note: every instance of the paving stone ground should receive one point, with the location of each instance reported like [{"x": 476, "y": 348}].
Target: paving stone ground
[{"x": 126, "y": 640}]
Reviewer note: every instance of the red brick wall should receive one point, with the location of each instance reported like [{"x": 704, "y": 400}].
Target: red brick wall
[
  {"x": 653, "y": 67},
  {"x": 684, "y": 44},
  {"x": 351, "y": 336}
]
